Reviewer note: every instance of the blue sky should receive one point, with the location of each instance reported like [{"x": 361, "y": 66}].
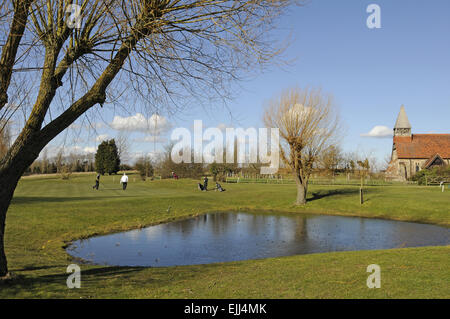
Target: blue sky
[{"x": 370, "y": 72}]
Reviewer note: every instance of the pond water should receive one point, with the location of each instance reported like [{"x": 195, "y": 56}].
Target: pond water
[{"x": 221, "y": 237}]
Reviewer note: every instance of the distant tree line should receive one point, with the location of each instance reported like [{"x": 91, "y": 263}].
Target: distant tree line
[
  {"x": 62, "y": 163},
  {"x": 107, "y": 160},
  {"x": 164, "y": 166}
]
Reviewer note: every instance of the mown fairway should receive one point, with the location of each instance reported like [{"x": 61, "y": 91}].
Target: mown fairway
[{"x": 48, "y": 212}]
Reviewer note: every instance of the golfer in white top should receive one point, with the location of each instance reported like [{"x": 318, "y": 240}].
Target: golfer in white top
[{"x": 124, "y": 181}]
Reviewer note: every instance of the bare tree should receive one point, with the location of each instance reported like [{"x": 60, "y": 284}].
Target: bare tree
[
  {"x": 5, "y": 137},
  {"x": 364, "y": 168},
  {"x": 123, "y": 146},
  {"x": 44, "y": 162},
  {"x": 308, "y": 125},
  {"x": 64, "y": 165},
  {"x": 331, "y": 159},
  {"x": 386, "y": 161},
  {"x": 166, "y": 49}
]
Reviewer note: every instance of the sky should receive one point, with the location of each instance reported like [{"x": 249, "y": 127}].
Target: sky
[{"x": 370, "y": 73}]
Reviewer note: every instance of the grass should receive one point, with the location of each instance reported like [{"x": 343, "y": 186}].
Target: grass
[{"x": 47, "y": 213}]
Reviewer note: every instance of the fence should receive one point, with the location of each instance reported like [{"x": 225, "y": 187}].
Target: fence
[
  {"x": 436, "y": 180},
  {"x": 313, "y": 181}
]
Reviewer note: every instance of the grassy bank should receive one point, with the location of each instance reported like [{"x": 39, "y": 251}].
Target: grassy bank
[{"x": 47, "y": 213}]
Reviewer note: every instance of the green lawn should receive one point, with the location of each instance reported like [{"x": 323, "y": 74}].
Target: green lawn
[{"x": 47, "y": 213}]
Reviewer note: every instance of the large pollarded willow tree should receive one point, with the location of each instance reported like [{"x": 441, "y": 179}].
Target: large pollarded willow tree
[
  {"x": 66, "y": 60},
  {"x": 308, "y": 123}
]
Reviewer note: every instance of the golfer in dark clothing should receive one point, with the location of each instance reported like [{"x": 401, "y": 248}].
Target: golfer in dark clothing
[
  {"x": 97, "y": 182},
  {"x": 205, "y": 183},
  {"x": 219, "y": 187}
]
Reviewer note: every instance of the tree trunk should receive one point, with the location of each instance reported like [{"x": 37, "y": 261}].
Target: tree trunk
[
  {"x": 3, "y": 262},
  {"x": 301, "y": 194},
  {"x": 7, "y": 186},
  {"x": 302, "y": 186},
  {"x": 12, "y": 166}
]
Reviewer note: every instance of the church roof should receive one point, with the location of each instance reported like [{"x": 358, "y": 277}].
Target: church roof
[
  {"x": 402, "y": 119},
  {"x": 422, "y": 145},
  {"x": 431, "y": 160}
]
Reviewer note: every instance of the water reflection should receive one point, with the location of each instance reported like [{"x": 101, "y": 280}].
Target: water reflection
[{"x": 219, "y": 237}]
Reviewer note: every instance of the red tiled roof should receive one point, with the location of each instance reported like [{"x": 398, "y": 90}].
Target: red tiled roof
[
  {"x": 431, "y": 160},
  {"x": 422, "y": 145}
]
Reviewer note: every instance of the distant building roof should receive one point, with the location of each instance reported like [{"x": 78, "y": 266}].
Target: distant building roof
[
  {"x": 422, "y": 145},
  {"x": 432, "y": 160},
  {"x": 402, "y": 119}
]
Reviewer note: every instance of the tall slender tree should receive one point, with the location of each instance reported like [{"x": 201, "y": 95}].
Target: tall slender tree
[{"x": 107, "y": 158}]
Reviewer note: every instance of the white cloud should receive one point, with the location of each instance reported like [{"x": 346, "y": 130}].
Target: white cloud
[
  {"x": 101, "y": 137},
  {"x": 155, "y": 155},
  {"x": 87, "y": 126},
  {"x": 96, "y": 125},
  {"x": 75, "y": 149},
  {"x": 53, "y": 151},
  {"x": 90, "y": 150},
  {"x": 152, "y": 139},
  {"x": 78, "y": 150},
  {"x": 155, "y": 125},
  {"x": 379, "y": 131}
]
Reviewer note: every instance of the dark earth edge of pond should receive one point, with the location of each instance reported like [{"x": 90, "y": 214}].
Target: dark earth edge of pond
[{"x": 236, "y": 236}]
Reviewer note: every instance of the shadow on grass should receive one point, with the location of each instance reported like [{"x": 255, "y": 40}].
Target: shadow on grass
[
  {"x": 98, "y": 277},
  {"x": 160, "y": 275},
  {"x": 333, "y": 192},
  {"x": 43, "y": 199},
  {"x": 19, "y": 281},
  {"x": 32, "y": 268}
]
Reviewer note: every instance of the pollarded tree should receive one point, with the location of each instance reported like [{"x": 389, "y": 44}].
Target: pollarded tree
[
  {"x": 308, "y": 125},
  {"x": 165, "y": 50}
]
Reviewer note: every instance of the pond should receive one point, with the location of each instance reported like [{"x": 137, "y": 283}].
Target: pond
[{"x": 222, "y": 237}]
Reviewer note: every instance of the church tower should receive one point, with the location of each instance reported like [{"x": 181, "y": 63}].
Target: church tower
[{"x": 402, "y": 126}]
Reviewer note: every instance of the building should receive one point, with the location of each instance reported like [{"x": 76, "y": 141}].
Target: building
[{"x": 412, "y": 153}]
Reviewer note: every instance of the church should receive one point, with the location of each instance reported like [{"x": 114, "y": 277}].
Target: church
[{"x": 412, "y": 153}]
